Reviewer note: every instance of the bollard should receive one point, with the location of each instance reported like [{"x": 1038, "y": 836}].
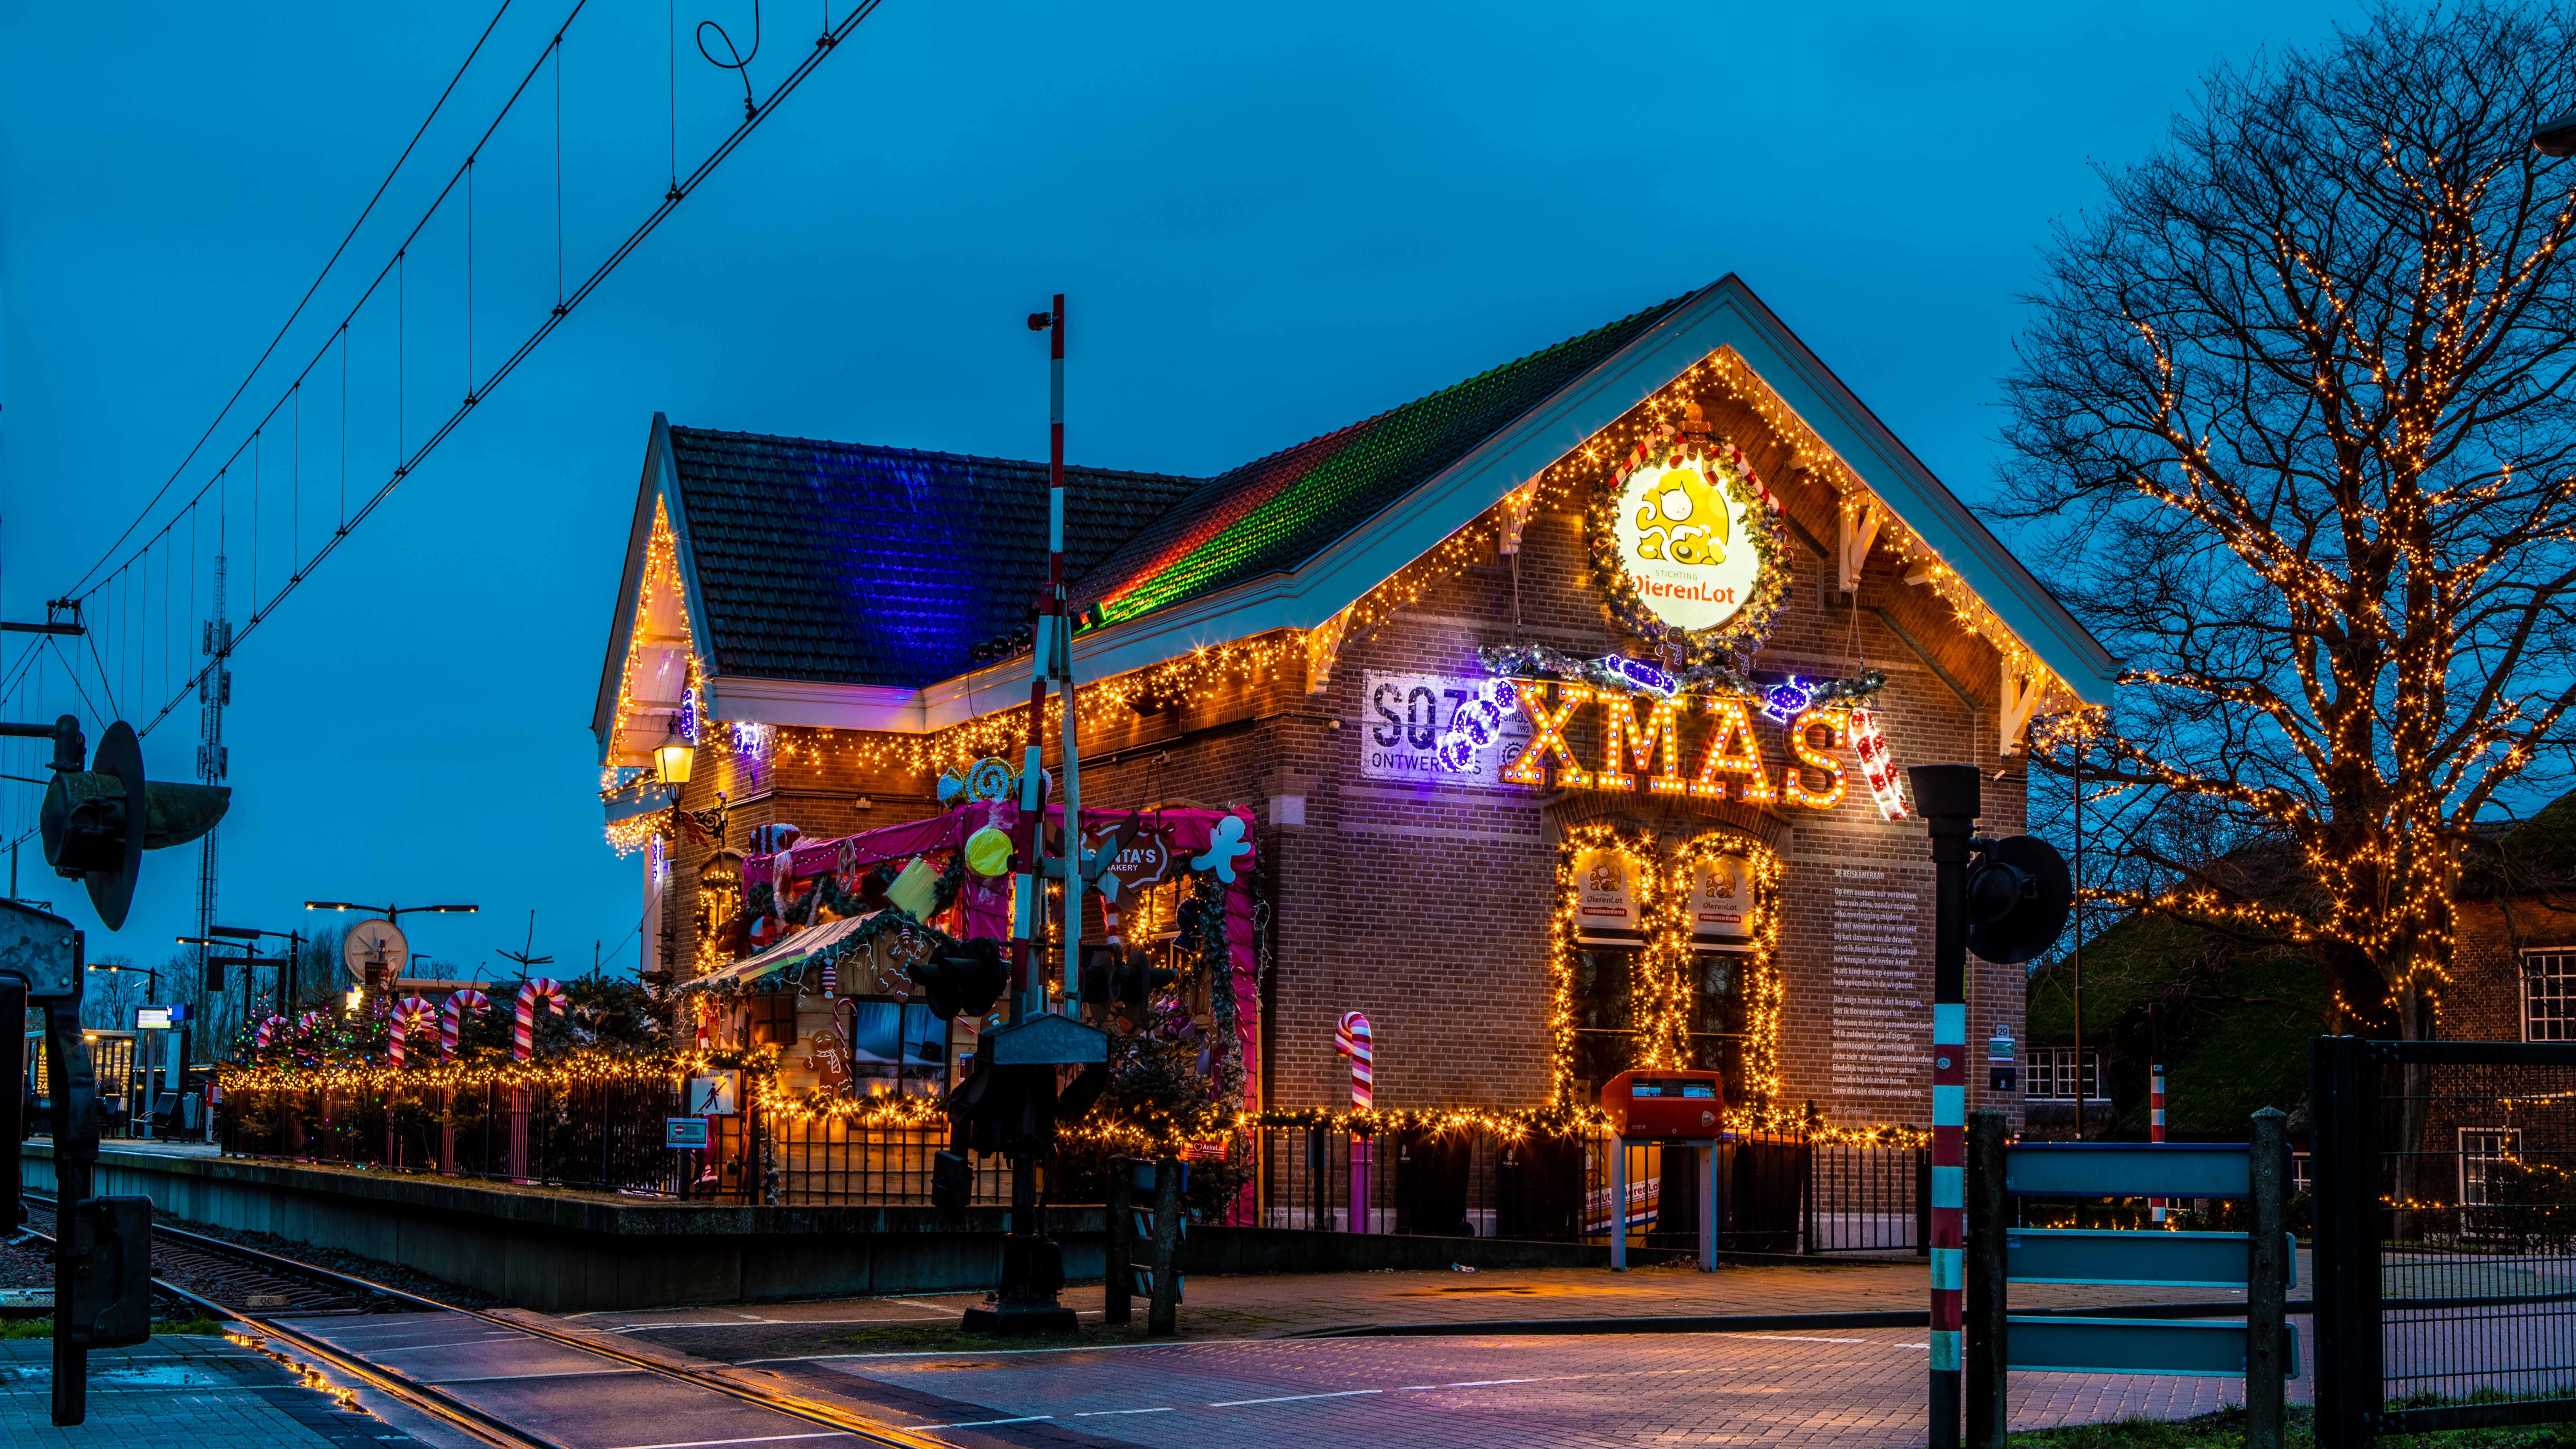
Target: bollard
[
  {"x": 2266, "y": 1278},
  {"x": 1988, "y": 1416}
]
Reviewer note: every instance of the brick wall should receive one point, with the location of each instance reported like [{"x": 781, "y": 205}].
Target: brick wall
[{"x": 1427, "y": 905}]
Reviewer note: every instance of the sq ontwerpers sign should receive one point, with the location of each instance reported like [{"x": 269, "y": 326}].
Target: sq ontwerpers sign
[{"x": 1403, "y": 716}]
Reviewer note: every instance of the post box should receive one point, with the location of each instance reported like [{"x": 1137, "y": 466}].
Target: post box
[{"x": 1665, "y": 1104}]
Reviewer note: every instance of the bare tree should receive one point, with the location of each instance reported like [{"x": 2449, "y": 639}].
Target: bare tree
[{"x": 2294, "y": 420}]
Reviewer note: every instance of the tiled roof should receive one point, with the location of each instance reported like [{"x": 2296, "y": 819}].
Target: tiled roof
[
  {"x": 1276, "y": 513},
  {"x": 842, "y": 564}
]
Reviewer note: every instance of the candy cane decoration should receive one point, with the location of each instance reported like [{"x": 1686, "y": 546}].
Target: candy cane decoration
[
  {"x": 451, "y": 1019},
  {"x": 523, "y": 1039},
  {"x": 412, "y": 1013},
  {"x": 1870, "y": 744},
  {"x": 268, "y": 1031},
  {"x": 1351, "y": 1039}
]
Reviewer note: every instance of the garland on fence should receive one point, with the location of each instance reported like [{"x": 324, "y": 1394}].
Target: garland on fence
[{"x": 489, "y": 1068}]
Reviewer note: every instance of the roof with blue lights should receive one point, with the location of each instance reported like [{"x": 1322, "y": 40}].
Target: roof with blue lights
[{"x": 844, "y": 564}]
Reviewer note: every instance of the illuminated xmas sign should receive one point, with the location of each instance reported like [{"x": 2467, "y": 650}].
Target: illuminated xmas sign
[{"x": 1642, "y": 747}]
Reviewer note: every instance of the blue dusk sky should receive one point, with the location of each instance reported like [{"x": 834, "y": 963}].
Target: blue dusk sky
[{"x": 1271, "y": 222}]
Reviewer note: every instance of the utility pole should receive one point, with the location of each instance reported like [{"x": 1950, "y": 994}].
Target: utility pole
[{"x": 214, "y": 691}]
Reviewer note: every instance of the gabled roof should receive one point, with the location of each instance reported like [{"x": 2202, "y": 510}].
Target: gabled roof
[
  {"x": 838, "y": 563},
  {"x": 1274, "y": 514},
  {"x": 833, "y": 583}
]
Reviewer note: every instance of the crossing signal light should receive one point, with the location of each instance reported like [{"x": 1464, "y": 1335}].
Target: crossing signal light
[
  {"x": 963, "y": 980},
  {"x": 952, "y": 1183},
  {"x": 107, "y": 1288},
  {"x": 93, "y": 832},
  {"x": 2019, "y": 891},
  {"x": 1124, "y": 980}
]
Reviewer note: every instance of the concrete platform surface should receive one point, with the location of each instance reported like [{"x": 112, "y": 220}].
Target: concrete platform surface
[{"x": 205, "y": 1393}]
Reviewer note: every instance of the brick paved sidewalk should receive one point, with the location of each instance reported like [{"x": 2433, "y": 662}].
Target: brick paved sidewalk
[{"x": 204, "y": 1393}]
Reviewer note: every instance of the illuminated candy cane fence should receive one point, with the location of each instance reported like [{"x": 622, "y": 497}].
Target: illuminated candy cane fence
[
  {"x": 523, "y": 1038},
  {"x": 451, "y": 1019},
  {"x": 412, "y": 1013}
]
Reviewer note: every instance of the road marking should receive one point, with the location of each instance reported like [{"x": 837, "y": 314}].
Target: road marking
[
  {"x": 514, "y": 1378},
  {"x": 969, "y": 1424},
  {"x": 998, "y": 1352},
  {"x": 1293, "y": 1398},
  {"x": 1486, "y": 1383},
  {"x": 763, "y": 1439},
  {"x": 1111, "y": 1413}
]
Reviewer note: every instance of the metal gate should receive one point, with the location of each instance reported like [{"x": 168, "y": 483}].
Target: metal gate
[{"x": 2444, "y": 1185}]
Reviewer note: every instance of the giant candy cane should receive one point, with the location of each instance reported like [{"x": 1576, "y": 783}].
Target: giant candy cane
[
  {"x": 412, "y": 1013},
  {"x": 1351, "y": 1039},
  {"x": 268, "y": 1030},
  {"x": 523, "y": 1038},
  {"x": 451, "y": 1019}
]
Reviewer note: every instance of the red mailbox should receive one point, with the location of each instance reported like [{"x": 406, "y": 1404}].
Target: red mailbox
[{"x": 1670, "y": 1104}]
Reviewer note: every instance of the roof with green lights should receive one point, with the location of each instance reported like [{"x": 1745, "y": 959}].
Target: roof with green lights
[
  {"x": 1272, "y": 515},
  {"x": 845, "y": 563}
]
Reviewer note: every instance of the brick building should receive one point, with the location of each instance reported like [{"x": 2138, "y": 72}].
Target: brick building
[{"x": 1537, "y": 808}]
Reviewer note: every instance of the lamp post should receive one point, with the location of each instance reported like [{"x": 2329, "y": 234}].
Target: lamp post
[
  {"x": 392, "y": 915},
  {"x": 153, "y": 979}
]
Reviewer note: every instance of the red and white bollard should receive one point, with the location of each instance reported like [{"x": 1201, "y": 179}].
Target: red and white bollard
[{"x": 2156, "y": 1127}]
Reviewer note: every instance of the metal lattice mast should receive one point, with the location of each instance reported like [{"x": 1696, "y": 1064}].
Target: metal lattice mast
[{"x": 214, "y": 691}]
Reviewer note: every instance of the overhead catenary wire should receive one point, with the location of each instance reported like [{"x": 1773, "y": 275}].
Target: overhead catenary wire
[
  {"x": 409, "y": 457},
  {"x": 301, "y": 303}
]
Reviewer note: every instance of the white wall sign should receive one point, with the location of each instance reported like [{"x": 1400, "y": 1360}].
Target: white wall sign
[
  {"x": 1683, "y": 538},
  {"x": 1402, "y": 717},
  {"x": 1605, "y": 897},
  {"x": 1721, "y": 898}
]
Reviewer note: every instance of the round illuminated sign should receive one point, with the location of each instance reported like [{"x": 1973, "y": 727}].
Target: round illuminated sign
[
  {"x": 1685, "y": 548},
  {"x": 1685, "y": 538}
]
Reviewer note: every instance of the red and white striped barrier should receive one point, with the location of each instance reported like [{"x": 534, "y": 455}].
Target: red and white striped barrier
[
  {"x": 412, "y": 1013},
  {"x": 523, "y": 1031},
  {"x": 2156, "y": 1126},
  {"x": 451, "y": 1019}
]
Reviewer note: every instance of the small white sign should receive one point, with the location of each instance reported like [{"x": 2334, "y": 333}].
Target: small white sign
[
  {"x": 714, "y": 1094},
  {"x": 1721, "y": 898},
  {"x": 1403, "y": 716},
  {"x": 1605, "y": 897},
  {"x": 151, "y": 1018}
]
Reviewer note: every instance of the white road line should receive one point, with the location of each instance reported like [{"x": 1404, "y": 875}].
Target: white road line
[
  {"x": 763, "y": 1439},
  {"x": 514, "y": 1378},
  {"x": 1293, "y": 1398},
  {"x": 1487, "y": 1383},
  {"x": 969, "y": 1424},
  {"x": 1112, "y": 1413},
  {"x": 450, "y": 1343},
  {"x": 998, "y": 1352}
]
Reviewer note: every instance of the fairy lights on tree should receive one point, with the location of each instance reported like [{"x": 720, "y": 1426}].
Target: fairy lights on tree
[{"x": 2296, "y": 416}]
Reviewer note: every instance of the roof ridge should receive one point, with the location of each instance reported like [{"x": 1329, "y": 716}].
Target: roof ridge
[{"x": 883, "y": 449}]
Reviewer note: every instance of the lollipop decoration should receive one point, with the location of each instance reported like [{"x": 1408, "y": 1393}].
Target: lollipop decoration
[
  {"x": 523, "y": 1038},
  {"x": 412, "y": 1013},
  {"x": 451, "y": 1019}
]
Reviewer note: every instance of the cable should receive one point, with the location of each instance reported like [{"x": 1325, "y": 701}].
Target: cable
[
  {"x": 300, "y": 304},
  {"x": 679, "y": 193}
]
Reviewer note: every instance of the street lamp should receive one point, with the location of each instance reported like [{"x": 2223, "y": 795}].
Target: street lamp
[
  {"x": 388, "y": 912},
  {"x": 2556, "y": 136}
]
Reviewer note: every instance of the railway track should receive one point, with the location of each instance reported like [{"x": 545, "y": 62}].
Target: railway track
[{"x": 233, "y": 1281}]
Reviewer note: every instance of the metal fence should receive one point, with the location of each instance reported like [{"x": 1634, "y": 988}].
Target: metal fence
[
  {"x": 1778, "y": 1192},
  {"x": 2445, "y": 1205}
]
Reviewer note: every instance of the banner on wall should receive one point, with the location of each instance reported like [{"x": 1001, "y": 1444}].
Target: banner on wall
[
  {"x": 1605, "y": 899},
  {"x": 1403, "y": 716},
  {"x": 1721, "y": 900}
]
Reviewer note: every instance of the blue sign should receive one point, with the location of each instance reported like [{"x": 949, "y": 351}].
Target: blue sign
[{"x": 684, "y": 1131}]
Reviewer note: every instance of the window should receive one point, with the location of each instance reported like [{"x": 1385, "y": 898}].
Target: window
[
  {"x": 2547, "y": 977},
  {"x": 1717, "y": 1012},
  {"x": 1605, "y": 1025},
  {"x": 769, "y": 1019},
  {"x": 2050, "y": 1075},
  {"x": 2484, "y": 1152}
]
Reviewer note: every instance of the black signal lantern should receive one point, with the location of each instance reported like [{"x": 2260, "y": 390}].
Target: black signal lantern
[
  {"x": 2019, "y": 892},
  {"x": 92, "y": 829},
  {"x": 964, "y": 980}
]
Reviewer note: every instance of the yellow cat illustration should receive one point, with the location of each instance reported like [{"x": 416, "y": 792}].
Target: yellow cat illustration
[{"x": 1683, "y": 519}]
